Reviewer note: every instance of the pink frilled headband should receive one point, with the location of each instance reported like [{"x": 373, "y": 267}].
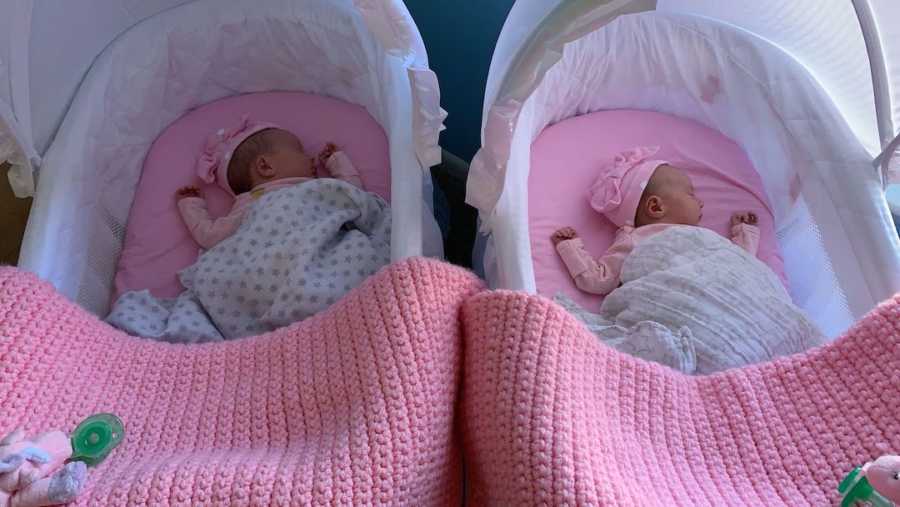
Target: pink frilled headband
[{"x": 212, "y": 166}]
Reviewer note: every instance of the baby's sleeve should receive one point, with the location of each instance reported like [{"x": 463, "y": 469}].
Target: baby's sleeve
[
  {"x": 206, "y": 231},
  {"x": 746, "y": 236},
  {"x": 596, "y": 276},
  {"x": 340, "y": 167}
]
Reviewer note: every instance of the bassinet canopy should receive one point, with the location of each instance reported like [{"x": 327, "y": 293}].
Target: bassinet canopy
[
  {"x": 851, "y": 48},
  {"x": 48, "y": 46},
  {"x": 809, "y": 91}
]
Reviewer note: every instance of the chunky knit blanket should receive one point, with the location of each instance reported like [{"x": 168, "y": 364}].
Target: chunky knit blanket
[
  {"x": 356, "y": 405},
  {"x": 550, "y": 416},
  {"x": 353, "y": 406}
]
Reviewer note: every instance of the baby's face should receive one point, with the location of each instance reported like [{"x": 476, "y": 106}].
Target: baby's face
[
  {"x": 288, "y": 159},
  {"x": 675, "y": 189}
]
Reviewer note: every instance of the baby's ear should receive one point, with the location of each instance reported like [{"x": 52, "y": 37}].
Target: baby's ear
[
  {"x": 263, "y": 168},
  {"x": 655, "y": 207}
]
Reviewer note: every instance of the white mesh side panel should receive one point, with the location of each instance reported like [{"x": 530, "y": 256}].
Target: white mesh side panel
[
  {"x": 824, "y": 35},
  {"x": 814, "y": 286},
  {"x": 107, "y": 236}
]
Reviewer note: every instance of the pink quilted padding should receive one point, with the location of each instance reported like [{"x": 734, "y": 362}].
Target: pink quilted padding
[
  {"x": 552, "y": 417},
  {"x": 157, "y": 244},
  {"x": 566, "y": 159},
  {"x": 354, "y": 406}
]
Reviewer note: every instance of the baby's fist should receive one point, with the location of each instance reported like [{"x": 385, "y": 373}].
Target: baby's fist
[
  {"x": 748, "y": 218},
  {"x": 564, "y": 234},
  {"x": 185, "y": 192},
  {"x": 327, "y": 152}
]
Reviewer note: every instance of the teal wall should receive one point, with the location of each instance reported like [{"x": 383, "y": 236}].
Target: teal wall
[{"x": 460, "y": 36}]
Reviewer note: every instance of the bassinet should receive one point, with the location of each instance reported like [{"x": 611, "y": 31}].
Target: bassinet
[
  {"x": 179, "y": 55},
  {"x": 817, "y": 134}
]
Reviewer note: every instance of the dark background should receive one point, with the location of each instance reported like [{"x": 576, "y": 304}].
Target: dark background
[{"x": 460, "y": 36}]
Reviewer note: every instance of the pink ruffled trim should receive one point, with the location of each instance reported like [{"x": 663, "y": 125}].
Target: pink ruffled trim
[
  {"x": 212, "y": 165},
  {"x": 606, "y": 193}
]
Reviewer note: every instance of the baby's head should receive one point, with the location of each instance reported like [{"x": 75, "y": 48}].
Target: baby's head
[
  {"x": 268, "y": 155},
  {"x": 252, "y": 153},
  {"x": 668, "y": 199},
  {"x": 637, "y": 190}
]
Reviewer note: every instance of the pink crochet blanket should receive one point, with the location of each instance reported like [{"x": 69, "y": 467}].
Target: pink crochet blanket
[
  {"x": 552, "y": 417},
  {"x": 356, "y": 405},
  {"x": 353, "y": 406}
]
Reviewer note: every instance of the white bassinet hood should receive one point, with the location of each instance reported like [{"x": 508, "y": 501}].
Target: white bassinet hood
[
  {"x": 366, "y": 52},
  {"x": 47, "y": 47},
  {"x": 851, "y": 48},
  {"x": 16, "y": 147},
  {"x": 815, "y": 169}
]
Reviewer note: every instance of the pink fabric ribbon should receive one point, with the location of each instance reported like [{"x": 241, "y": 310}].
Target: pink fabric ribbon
[
  {"x": 212, "y": 166},
  {"x": 617, "y": 191}
]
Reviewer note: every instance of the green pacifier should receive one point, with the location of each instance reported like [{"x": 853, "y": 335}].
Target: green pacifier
[{"x": 96, "y": 437}]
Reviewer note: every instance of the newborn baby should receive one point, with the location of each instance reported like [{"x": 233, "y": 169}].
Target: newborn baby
[
  {"x": 676, "y": 293},
  {"x": 643, "y": 197},
  {"x": 249, "y": 161},
  {"x": 291, "y": 246}
]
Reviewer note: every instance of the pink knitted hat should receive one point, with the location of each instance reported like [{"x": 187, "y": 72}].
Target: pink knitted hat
[
  {"x": 617, "y": 191},
  {"x": 212, "y": 166}
]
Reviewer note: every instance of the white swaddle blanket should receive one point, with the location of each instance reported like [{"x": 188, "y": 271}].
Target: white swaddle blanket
[{"x": 693, "y": 300}]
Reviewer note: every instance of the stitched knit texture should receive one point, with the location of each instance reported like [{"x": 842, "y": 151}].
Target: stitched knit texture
[
  {"x": 353, "y": 406},
  {"x": 550, "y": 416}
]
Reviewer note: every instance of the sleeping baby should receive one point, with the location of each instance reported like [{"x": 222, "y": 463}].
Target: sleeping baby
[
  {"x": 258, "y": 158},
  {"x": 292, "y": 244},
  {"x": 676, "y": 292}
]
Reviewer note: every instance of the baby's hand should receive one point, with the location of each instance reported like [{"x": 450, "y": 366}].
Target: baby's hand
[
  {"x": 326, "y": 153},
  {"x": 566, "y": 233},
  {"x": 185, "y": 192},
  {"x": 748, "y": 218}
]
